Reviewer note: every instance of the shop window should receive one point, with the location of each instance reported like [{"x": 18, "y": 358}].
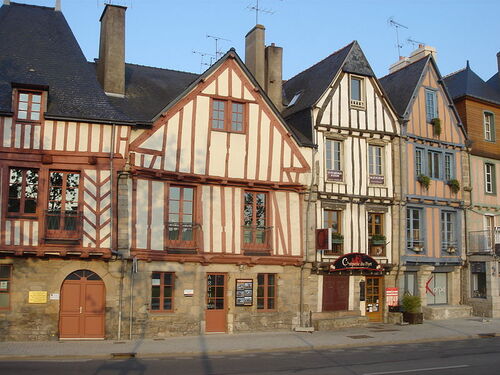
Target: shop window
[
  {"x": 266, "y": 291},
  {"x": 63, "y": 216},
  {"x": 333, "y": 156},
  {"x": 5, "y": 286},
  {"x": 410, "y": 283},
  {"x": 333, "y": 219},
  {"x": 256, "y": 233},
  {"x": 23, "y": 191},
  {"x": 436, "y": 289},
  {"x": 162, "y": 291},
  {"x": 181, "y": 226},
  {"x": 29, "y": 106},
  {"x": 478, "y": 279},
  {"x": 414, "y": 229},
  {"x": 228, "y": 115}
]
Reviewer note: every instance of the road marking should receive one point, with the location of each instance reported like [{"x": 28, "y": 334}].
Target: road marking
[{"x": 416, "y": 370}]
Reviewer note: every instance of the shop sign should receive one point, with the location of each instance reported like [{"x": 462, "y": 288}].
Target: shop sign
[
  {"x": 333, "y": 175},
  {"x": 37, "y": 296},
  {"x": 376, "y": 179},
  {"x": 244, "y": 292},
  {"x": 54, "y": 296},
  {"x": 188, "y": 292},
  {"x": 391, "y": 296},
  {"x": 355, "y": 261}
]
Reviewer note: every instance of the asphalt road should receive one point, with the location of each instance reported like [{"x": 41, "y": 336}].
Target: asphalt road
[{"x": 479, "y": 357}]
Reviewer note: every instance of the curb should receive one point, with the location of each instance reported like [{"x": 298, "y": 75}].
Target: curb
[{"x": 138, "y": 355}]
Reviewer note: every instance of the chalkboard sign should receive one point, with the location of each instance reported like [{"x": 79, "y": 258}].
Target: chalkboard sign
[{"x": 244, "y": 292}]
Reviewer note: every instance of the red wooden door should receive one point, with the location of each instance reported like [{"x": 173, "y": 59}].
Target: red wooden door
[
  {"x": 82, "y": 306},
  {"x": 216, "y": 311},
  {"x": 335, "y": 293}
]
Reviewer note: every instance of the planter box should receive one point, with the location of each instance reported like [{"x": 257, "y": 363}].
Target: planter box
[
  {"x": 413, "y": 318},
  {"x": 378, "y": 242},
  {"x": 337, "y": 240}
]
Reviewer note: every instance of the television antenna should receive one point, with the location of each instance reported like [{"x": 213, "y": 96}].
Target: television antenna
[
  {"x": 218, "y": 53},
  {"x": 255, "y": 8},
  {"x": 202, "y": 59},
  {"x": 413, "y": 42},
  {"x": 397, "y": 26}
]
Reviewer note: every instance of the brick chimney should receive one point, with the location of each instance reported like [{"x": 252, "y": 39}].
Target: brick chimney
[
  {"x": 111, "y": 63},
  {"x": 274, "y": 74},
  {"x": 255, "y": 54},
  {"x": 419, "y": 53}
]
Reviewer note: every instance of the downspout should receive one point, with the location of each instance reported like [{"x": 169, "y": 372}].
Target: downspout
[{"x": 402, "y": 201}]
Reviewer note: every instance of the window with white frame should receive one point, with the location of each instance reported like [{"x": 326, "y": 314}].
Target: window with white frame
[
  {"x": 448, "y": 231},
  {"x": 419, "y": 161},
  {"x": 333, "y": 156},
  {"x": 414, "y": 228},
  {"x": 489, "y": 126},
  {"x": 375, "y": 159},
  {"x": 434, "y": 163},
  {"x": 449, "y": 170},
  {"x": 489, "y": 178},
  {"x": 430, "y": 104}
]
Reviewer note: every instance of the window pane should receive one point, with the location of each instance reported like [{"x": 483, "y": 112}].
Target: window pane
[
  {"x": 23, "y": 97},
  {"x": 4, "y": 300},
  {"x": 355, "y": 89}
]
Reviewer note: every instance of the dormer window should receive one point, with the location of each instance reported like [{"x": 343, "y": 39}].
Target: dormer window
[
  {"x": 357, "y": 92},
  {"x": 29, "y": 106},
  {"x": 228, "y": 116}
]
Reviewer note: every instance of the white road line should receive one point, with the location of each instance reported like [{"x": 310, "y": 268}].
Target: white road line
[{"x": 416, "y": 370}]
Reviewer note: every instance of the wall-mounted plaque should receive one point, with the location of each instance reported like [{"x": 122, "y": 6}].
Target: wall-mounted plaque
[
  {"x": 37, "y": 296},
  {"x": 333, "y": 175},
  {"x": 376, "y": 179},
  {"x": 244, "y": 292}
]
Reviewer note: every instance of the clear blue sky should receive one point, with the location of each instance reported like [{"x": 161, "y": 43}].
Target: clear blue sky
[{"x": 163, "y": 33}]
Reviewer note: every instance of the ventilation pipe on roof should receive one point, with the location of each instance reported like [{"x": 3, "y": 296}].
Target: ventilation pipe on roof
[{"x": 111, "y": 63}]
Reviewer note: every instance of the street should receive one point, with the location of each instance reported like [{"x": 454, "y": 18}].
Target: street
[{"x": 478, "y": 356}]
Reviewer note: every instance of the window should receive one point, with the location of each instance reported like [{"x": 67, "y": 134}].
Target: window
[
  {"x": 23, "y": 191},
  {"x": 489, "y": 178},
  {"x": 180, "y": 213},
  {"x": 410, "y": 283},
  {"x": 489, "y": 126},
  {"x": 162, "y": 291},
  {"x": 254, "y": 219},
  {"x": 419, "y": 153},
  {"x": 357, "y": 99},
  {"x": 436, "y": 289},
  {"x": 449, "y": 170},
  {"x": 375, "y": 224},
  {"x": 228, "y": 115},
  {"x": 375, "y": 164},
  {"x": 29, "y": 106},
  {"x": 5, "y": 281},
  {"x": 434, "y": 159},
  {"x": 478, "y": 279},
  {"x": 333, "y": 219},
  {"x": 334, "y": 160},
  {"x": 63, "y": 215},
  {"x": 414, "y": 229},
  {"x": 430, "y": 104},
  {"x": 266, "y": 291},
  {"x": 448, "y": 231}
]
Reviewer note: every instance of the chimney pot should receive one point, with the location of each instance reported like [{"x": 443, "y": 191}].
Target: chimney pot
[
  {"x": 6, "y": 2},
  {"x": 111, "y": 63},
  {"x": 254, "y": 53}
]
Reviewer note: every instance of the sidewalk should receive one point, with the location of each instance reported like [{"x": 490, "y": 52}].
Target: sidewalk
[{"x": 374, "y": 334}]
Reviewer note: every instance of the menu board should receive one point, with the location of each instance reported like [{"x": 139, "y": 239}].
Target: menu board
[{"x": 244, "y": 292}]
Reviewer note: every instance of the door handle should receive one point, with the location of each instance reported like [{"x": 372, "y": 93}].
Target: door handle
[{"x": 80, "y": 309}]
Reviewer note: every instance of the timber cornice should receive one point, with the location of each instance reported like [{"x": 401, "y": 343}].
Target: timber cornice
[
  {"x": 57, "y": 252},
  {"x": 434, "y": 142},
  {"x": 213, "y": 180},
  {"x": 355, "y": 132},
  {"x": 211, "y": 258},
  {"x": 352, "y": 198}
]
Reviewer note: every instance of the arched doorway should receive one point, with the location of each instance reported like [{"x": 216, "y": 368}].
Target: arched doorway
[{"x": 81, "y": 314}]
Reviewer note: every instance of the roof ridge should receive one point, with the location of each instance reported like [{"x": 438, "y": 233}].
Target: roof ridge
[
  {"x": 319, "y": 62},
  {"x": 32, "y": 6},
  {"x": 154, "y": 67},
  {"x": 453, "y": 73},
  {"x": 407, "y": 66}
]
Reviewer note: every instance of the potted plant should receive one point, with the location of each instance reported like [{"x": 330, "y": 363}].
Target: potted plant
[
  {"x": 411, "y": 309},
  {"x": 436, "y": 125},
  {"x": 417, "y": 248},
  {"x": 454, "y": 185},
  {"x": 451, "y": 249},
  {"x": 424, "y": 180},
  {"x": 337, "y": 238},
  {"x": 378, "y": 239}
]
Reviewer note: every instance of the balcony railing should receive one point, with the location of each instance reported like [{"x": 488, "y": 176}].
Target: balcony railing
[
  {"x": 484, "y": 241},
  {"x": 63, "y": 226},
  {"x": 256, "y": 237},
  {"x": 183, "y": 237}
]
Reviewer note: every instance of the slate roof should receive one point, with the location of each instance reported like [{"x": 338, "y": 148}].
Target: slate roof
[
  {"x": 400, "y": 85},
  {"x": 494, "y": 82},
  {"x": 314, "y": 81},
  {"x": 38, "y": 48},
  {"x": 467, "y": 83}
]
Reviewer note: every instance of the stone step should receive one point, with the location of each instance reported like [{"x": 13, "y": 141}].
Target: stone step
[
  {"x": 441, "y": 312},
  {"x": 341, "y": 322},
  {"x": 335, "y": 314}
]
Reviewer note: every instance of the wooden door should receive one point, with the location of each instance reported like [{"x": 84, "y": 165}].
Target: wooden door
[
  {"x": 374, "y": 298},
  {"x": 335, "y": 293},
  {"x": 216, "y": 311},
  {"x": 82, "y": 306}
]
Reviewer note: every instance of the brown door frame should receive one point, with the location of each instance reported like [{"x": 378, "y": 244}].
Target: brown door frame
[
  {"x": 378, "y": 315},
  {"x": 209, "y": 313}
]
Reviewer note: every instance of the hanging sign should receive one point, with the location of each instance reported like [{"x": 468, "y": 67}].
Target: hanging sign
[{"x": 355, "y": 261}]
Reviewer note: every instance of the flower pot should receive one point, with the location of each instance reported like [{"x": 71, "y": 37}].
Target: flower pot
[{"x": 413, "y": 318}]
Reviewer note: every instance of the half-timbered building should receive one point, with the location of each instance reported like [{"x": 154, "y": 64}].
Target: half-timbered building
[
  {"x": 339, "y": 106},
  {"x": 478, "y": 104},
  {"x": 435, "y": 180}
]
